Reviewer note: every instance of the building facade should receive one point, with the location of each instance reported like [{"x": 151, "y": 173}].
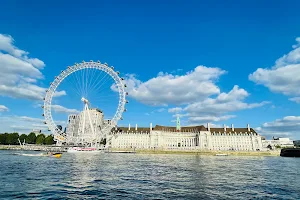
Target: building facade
[
  {"x": 84, "y": 128},
  {"x": 186, "y": 138},
  {"x": 277, "y": 143}
]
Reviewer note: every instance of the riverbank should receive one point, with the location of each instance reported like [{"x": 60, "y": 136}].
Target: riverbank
[
  {"x": 201, "y": 152},
  {"x": 146, "y": 151},
  {"x": 34, "y": 148}
]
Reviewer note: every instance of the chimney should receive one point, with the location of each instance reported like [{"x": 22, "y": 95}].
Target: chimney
[
  {"x": 129, "y": 127},
  {"x": 224, "y": 127},
  {"x": 248, "y": 127},
  {"x": 136, "y": 127},
  {"x": 150, "y": 127},
  {"x": 232, "y": 127},
  {"x": 208, "y": 126}
]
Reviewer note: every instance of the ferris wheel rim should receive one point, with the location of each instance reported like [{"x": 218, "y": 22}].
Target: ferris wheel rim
[{"x": 70, "y": 70}]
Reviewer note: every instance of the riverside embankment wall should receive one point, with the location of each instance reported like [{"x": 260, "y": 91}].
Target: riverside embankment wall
[
  {"x": 199, "y": 152},
  {"x": 145, "y": 151},
  {"x": 34, "y": 148}
]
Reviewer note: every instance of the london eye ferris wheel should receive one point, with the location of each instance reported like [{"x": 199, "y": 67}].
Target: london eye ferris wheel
[{"x": 76, "y": 91}]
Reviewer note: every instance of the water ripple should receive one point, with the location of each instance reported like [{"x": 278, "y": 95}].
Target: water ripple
[{"x": 134, "y": 176}]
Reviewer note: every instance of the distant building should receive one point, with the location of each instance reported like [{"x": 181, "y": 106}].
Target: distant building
[
  {"x": 278, "y": 142},
  {"x": 79, "y": 129}
]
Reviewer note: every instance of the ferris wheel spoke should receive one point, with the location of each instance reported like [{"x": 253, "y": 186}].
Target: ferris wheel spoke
[
  {"x": 86, "y": 81},
  {"x": 95, "y": 87},
  {"x": 95, "y": 80},
  {"x": 103, "y": 99},
  {"x": 104, "y": 81},
  {"x": 103, "y": 93},
  {"x": 83, "y": 81},
  {"x": 90, "y": 79},
  {"x": 78, "y": 82},
  {"x": 73, "y": 84},
  {"x": 105, "y": 96}
]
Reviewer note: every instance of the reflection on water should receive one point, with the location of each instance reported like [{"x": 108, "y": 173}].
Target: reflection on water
[{"x": 134, "y": 176}]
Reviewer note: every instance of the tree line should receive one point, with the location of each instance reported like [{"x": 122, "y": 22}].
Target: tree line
[{"x": 31, "y": 138}]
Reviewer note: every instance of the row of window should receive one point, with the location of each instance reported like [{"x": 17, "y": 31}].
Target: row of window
[{"x": 233, "y": 134}]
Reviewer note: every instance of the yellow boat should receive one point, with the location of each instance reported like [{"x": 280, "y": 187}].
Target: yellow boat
[{"x": 55, "y": 155}]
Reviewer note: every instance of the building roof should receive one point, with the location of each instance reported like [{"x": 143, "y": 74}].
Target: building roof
[
  {"x": 182, "y": 129},
  {"x": 132, "y": 129},
  {"x": 229, "y": 130}
]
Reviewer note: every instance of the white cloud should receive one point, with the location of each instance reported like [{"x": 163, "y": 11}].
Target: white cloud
[
  {"x": 295, "y": 99},
  {"x": 18, "y": 72},
  {"x": 288, "y": 126},
  {"x": 201, "y": 119},
  {"x": 61, "y": 109},
  {"x": 28, "y": 119},
  {"x": 192, "y": 91},
  {"x": 36, "y": 62},
  {"x": 24, "y": 124},
  {"x": 15, "y": 66},
  {"x": 6, "y": 44},
  {"x": 168, "y": 89},
  {"x": 3, "y": 108},
  {"x": 283, "y": 76},
  {"x": 59, "y": 93},
  {"x": 225, "y": 102},
  {"x": 298, "y": 43},
  {"x": 215, "y": 109},
  {"x": 26, "y": 90},
  {"x": 175, "y": 110}
]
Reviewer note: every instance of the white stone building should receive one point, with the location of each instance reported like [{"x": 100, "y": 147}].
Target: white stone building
[
  {"x": 279, "y": 142},
  {"x": 186, "y": 138},
  {"x": 79, "y": 131}
]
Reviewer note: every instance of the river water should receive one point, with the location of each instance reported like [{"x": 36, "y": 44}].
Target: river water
[{"x": 145, "y": 176}]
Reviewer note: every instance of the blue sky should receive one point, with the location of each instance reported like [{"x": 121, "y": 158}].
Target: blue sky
[{"x": 187, "y": 55}]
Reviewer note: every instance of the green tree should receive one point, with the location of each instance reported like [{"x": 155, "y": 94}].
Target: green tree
[
  {"x": 12, "y": 138},
  {"x": 23, "y": 137},
  {"x": 49, "y": 140},
  {"x": 40, "y": 139},
  {"x": 3, "y": 138},
  {"x": 31, "y": 138},
  {"x": 277, "y": 146}
]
